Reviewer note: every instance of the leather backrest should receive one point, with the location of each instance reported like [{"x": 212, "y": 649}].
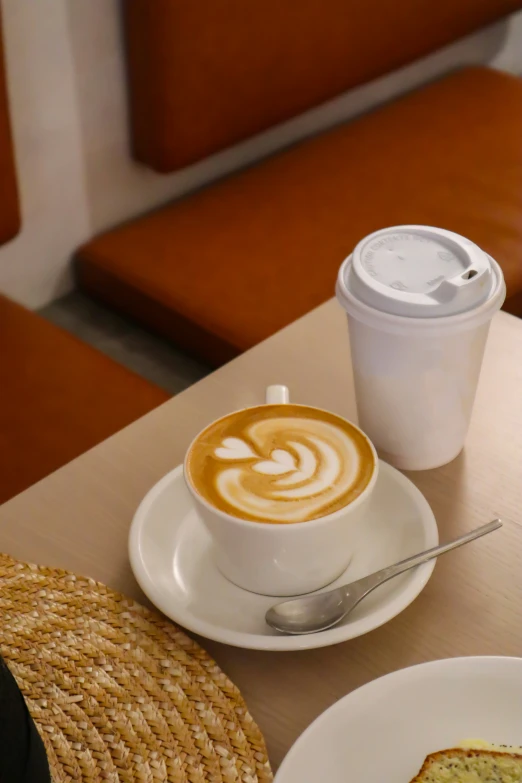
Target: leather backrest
[
  {"x": 9, "y": 205},
  {"x": 205, "y": 74}
]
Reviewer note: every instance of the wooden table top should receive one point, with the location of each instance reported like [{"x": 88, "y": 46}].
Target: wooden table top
[{"x": 78, "y": 518}]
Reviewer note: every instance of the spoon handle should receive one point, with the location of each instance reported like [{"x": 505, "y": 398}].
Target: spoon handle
[{"x": 369, "y": 583}]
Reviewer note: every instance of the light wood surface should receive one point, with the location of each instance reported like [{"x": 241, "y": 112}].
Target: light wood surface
[{"x": 78, "y": 518}]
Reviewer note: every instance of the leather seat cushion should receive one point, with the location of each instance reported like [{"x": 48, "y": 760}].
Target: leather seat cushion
[
  {"x": 226, "y": 267},
  {"x": 60, "y": 397}
]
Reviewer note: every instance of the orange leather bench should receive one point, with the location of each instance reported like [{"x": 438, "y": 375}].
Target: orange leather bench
[
  {"x": 10, "y": 206},
  {"x": 59, "y": 397},
  {"x": 220, "y": 270}
]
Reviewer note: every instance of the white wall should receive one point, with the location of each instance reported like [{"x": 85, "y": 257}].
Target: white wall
[{"x": 67, "y": 91}]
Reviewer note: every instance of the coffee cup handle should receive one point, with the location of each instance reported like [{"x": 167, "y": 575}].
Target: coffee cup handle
[{"x": 277, "y": 395}]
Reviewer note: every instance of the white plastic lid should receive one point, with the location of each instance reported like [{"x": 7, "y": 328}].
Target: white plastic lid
[{"x": 419, "y": 271}]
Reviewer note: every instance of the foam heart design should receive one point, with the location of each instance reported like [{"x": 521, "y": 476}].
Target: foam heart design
[
  {"x": 283, "y": 457},
  {"x": 280, "y": 462},
  {"x": 234, "y": 448},
  {"x": 269, "y": 462}
]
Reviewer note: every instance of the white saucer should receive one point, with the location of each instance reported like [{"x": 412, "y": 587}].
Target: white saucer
[{"x": 171, "y": 556}]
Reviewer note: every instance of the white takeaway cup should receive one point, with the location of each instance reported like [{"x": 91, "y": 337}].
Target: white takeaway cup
[
  {"x": 290, "y": 558},
  {"x": 419, "y": 302}
]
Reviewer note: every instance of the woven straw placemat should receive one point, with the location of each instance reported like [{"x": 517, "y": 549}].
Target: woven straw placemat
[{"x": 118, "y": 693}]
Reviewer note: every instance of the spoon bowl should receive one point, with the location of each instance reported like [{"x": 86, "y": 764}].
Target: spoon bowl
[{"x": 308, "y": 615}]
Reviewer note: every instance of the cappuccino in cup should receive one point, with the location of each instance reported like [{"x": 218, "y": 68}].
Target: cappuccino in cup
[
  {"x": 280, "y": 464},
  {"x": 282, "y": 489}
]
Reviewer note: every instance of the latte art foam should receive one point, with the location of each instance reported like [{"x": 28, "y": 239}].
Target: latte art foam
[{"x": 280, "y": 463}]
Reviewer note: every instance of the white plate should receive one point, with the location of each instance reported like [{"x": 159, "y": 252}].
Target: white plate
[
  {"x": 171, "y": 556},
  {"x": 382, "y": 732}
]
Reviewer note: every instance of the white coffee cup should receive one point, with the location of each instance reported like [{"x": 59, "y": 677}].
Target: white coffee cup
[
  {"x": 284, "y": 559},
  {"x": 419, "y": 302}
]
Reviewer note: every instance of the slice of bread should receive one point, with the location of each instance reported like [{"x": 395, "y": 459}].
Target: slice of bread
[{"x": 470, "y": 765}]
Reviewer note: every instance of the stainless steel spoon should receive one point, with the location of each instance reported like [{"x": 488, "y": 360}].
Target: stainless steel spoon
[{"x": 320, "y": 611}]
